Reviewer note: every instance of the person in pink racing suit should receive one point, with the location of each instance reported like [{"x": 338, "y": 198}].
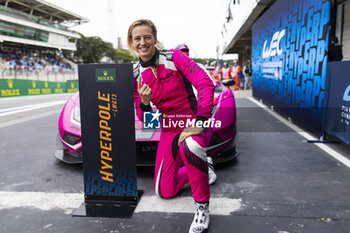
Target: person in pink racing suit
[
  {"x": 166, "y": 79},
  {"x": 211, "y": 171}
]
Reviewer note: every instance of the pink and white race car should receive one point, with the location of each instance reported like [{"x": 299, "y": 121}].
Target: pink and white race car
[{"x": 222, "y": 146}]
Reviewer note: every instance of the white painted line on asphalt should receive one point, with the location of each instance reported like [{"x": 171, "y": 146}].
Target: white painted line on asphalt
[
  {"x": 9, "y": 111},
  {"x": 28, "y": 118},
  {"x": 306, "y": 135},
  {"x": 218, "y": 206},
  {"x": 35, "y": 97},
  {"x": 69, "y": 202},
  {"x": 41, "y": 200},
  {"x": 257, "y": 102}
]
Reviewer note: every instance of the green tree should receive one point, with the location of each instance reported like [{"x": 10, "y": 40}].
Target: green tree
[
  {"x": 90, "y": 49},
  {"x": 202, "y": 60},
  {"x": 124, "y": 56},
  {"x": 109, "y": 51}
]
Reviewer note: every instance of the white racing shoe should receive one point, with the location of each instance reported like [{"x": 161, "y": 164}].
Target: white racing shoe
[
  {"x": 201, "y": 218},
  {"x": 211, "y": 171}
]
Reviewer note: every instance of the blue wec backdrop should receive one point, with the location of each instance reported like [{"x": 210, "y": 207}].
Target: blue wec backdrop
[
  {"x": 289, "y": 59},
  {"x": 337, "y": 114}
]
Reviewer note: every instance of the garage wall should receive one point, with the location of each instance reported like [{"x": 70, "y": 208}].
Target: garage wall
[
  {"x": 346, "y": 32},
  {"x": 289, "y": 59}
]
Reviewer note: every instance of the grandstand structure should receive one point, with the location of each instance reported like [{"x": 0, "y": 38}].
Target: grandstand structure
[{"x": 33, "y": 34}]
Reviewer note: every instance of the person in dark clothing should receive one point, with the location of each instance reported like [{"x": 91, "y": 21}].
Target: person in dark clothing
[
  {"x": 335, "y": 52},
  {"x": 248, "y": 75}
]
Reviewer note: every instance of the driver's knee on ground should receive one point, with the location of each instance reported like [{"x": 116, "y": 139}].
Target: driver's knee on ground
[
  {"x": 169, "y": 180},
  {"x": 167, "y": 190},
  {"x": 167, "y": 194}
]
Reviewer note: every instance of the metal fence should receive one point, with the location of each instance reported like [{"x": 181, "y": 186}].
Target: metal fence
[{"x": 53, "y": 76}]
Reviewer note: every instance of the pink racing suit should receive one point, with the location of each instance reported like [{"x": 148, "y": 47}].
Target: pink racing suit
[{"x": 170, "y": 75}]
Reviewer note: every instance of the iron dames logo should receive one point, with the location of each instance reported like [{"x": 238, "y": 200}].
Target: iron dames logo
[
  {"x": 151, "y": 120},
  {"x": 105, "y": 75},
  {"x": 346, "y": 96}
]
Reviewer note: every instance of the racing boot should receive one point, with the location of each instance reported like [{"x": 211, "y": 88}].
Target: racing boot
[
  {"x": 211, "y": 171},
  {"x": 201, "y": 218}
]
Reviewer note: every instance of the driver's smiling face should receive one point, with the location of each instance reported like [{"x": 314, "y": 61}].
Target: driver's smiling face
[{"x": 143, "y": 42}]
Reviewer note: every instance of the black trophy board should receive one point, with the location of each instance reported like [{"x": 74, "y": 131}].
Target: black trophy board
[{"x": 108, "y": 139}]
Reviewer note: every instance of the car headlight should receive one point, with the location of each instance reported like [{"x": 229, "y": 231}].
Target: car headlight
[{"x": 76, "y": 113}]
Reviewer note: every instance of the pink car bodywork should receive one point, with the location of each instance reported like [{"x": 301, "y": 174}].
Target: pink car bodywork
[{"x": 221, "y": 148}]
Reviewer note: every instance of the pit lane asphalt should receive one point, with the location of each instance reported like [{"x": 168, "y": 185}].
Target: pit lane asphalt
[{"x": 284, "y": 183}]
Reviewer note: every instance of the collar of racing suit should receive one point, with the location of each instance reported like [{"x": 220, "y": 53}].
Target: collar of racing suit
[{"x": 153, "y": 62}]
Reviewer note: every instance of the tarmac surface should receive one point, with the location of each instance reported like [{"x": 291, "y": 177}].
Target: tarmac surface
[{"x": 279, "y": 184}]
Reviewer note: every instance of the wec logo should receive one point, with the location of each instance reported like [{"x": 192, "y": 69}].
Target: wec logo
[
  {"x": 346, "y": 96},
  {"x": 274, "y": 45}
]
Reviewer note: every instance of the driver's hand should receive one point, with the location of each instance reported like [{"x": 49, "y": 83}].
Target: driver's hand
[
  {"x": 188, "y": 132},
  {"x": 145, "y": 92}
]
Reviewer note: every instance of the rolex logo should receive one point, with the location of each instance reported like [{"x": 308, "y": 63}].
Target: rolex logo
[
  {"x": 105, "y": 75},
  {"x": 10, "y": 83}
]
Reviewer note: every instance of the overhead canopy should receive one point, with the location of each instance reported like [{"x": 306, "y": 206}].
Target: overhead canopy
[
  {"x": 243, "y": 38},
  {"x": 44, "y": 10}
]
